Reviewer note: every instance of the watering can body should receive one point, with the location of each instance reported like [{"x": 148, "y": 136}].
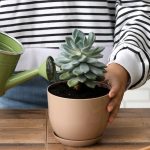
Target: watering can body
[{"x": 10, "y": 52}]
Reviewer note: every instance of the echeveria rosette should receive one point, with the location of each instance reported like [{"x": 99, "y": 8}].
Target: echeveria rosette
[{"x": 79, "y": 60}]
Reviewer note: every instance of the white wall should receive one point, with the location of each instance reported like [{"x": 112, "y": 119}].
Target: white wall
[{"x": 138, "y": 98}]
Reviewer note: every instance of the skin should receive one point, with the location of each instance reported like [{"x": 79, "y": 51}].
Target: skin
[{"x": 118, "y": 78}]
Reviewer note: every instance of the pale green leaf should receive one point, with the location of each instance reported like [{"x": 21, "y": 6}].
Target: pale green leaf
[
  {"x": 82, "y": 78},
  {"x": 67, "y": 66},
  {"x": 99, "y": 64},
  {"x": 71, "y": 43},
  {"x": 61, "y": 59},
  {"x": 93, "y": 52},
  {"x": 65, "y": 76},
  {"x": 75, "y": 62},
  {"x": 67, "y": 55},
  {"x": 90, "y": 84},
  {"x": 84, "y": 67},
  {"x": 91, "y": 38},
  {"x": 92, "y": 60},
  {"x": 79, "y": 44},
  {"x": 86, "y": 50},
  {"x": 85, "y": 42},
  {"x": 97, "y": 50},
  {"x": 75, "y": 57},
  {"x": 66, "y": 48},
  {"x": 80, "y": 34},
  {"x": 76, "y": 71},
  {"x": 82, "y": 58},
  {"x": 97, "y": 71},
  {"x": 90, "y": 75},
  {"x": 97, "y": 55},
  {"x": 75, "y": 33},
  {"x": 73, "y": 82}
]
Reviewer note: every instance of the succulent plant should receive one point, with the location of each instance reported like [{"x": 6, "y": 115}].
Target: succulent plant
[{"x": 79, "y": 60}]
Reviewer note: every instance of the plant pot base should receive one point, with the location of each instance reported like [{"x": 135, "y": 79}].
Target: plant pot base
[{"x": 77, "y": 143}]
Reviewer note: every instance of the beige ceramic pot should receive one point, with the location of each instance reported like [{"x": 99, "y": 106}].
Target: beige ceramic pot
[{"x": 77, "y": 122}]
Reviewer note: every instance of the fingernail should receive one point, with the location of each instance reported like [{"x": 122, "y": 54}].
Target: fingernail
[
  {"x": 110, "y": 108},
  {"x": 111, "y": 94}
]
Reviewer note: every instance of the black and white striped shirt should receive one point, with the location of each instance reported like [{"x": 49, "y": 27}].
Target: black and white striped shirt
[{"x": 45, "y": 24}]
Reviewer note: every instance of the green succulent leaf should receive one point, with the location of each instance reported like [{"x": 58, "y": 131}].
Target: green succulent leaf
[
  {"x": 76, "y": 80},
  {"x": 84, "y": 67},
  {"x": 73, "y": 82},
  {"x": 97, "y": 55},
  {"x": 79, "y": 60},
  {"x": 82, "y": 58},
  {"x": 75, "y": 62},
  {"x": 86, "y": 50},
  {"x": 75, "y": 57},
  {"x": 82, "y": 78},
  {"x": 75, "y": 33},
  {"x": 80, "y": 44},
  {"x": 61, "y": 60},
  {"x": 90, "y": 76},
  {"x": 99, "y": 64},
  {"x": 78, "y": 35},
  {"x": 85, "y": 42},
  {"x": 65, "y": 76},
  {"x": 91, "y": 38},
  {"x": 90, "y": 84},
  {"x": 97, "y": 71},
  {"x": 95, "y": 51},
  {"x": 66, "y": 48},
  {"x": 71, "y": 43},
  {"x": 76, "y": 71},
  {"x": 91, "y": 60},
  {"x": 65, "y": 54},
  {"x": 67, "y": 66}
]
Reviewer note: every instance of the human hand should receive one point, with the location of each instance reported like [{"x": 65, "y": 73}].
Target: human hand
[{"x": 117, "y": 77}]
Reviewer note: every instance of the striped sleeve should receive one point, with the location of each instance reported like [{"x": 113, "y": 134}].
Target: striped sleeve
[{"x": 132, "y": 40}]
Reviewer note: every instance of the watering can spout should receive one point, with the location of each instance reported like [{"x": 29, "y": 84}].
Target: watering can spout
[
  {"x": 46, "y": 70},
  {"x": 10, "y": 51}
]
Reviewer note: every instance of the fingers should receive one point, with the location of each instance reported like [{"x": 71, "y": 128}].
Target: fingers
[
  {"x": 114, "y": 106},
  {"x": 113, "y": 114},
  {"x": 115, "y": 87},
  {"x": 115, "y": 95},
  {"x": 117, "y": 77},
  {"x": 114, "y": 102},
  {"x": 114, "y": 90}
]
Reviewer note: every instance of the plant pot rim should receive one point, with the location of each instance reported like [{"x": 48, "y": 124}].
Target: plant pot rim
[{"x": 85, "y": 99}]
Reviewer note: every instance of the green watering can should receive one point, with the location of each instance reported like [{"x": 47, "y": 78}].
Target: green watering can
[{"x": 10, "y": 52}]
